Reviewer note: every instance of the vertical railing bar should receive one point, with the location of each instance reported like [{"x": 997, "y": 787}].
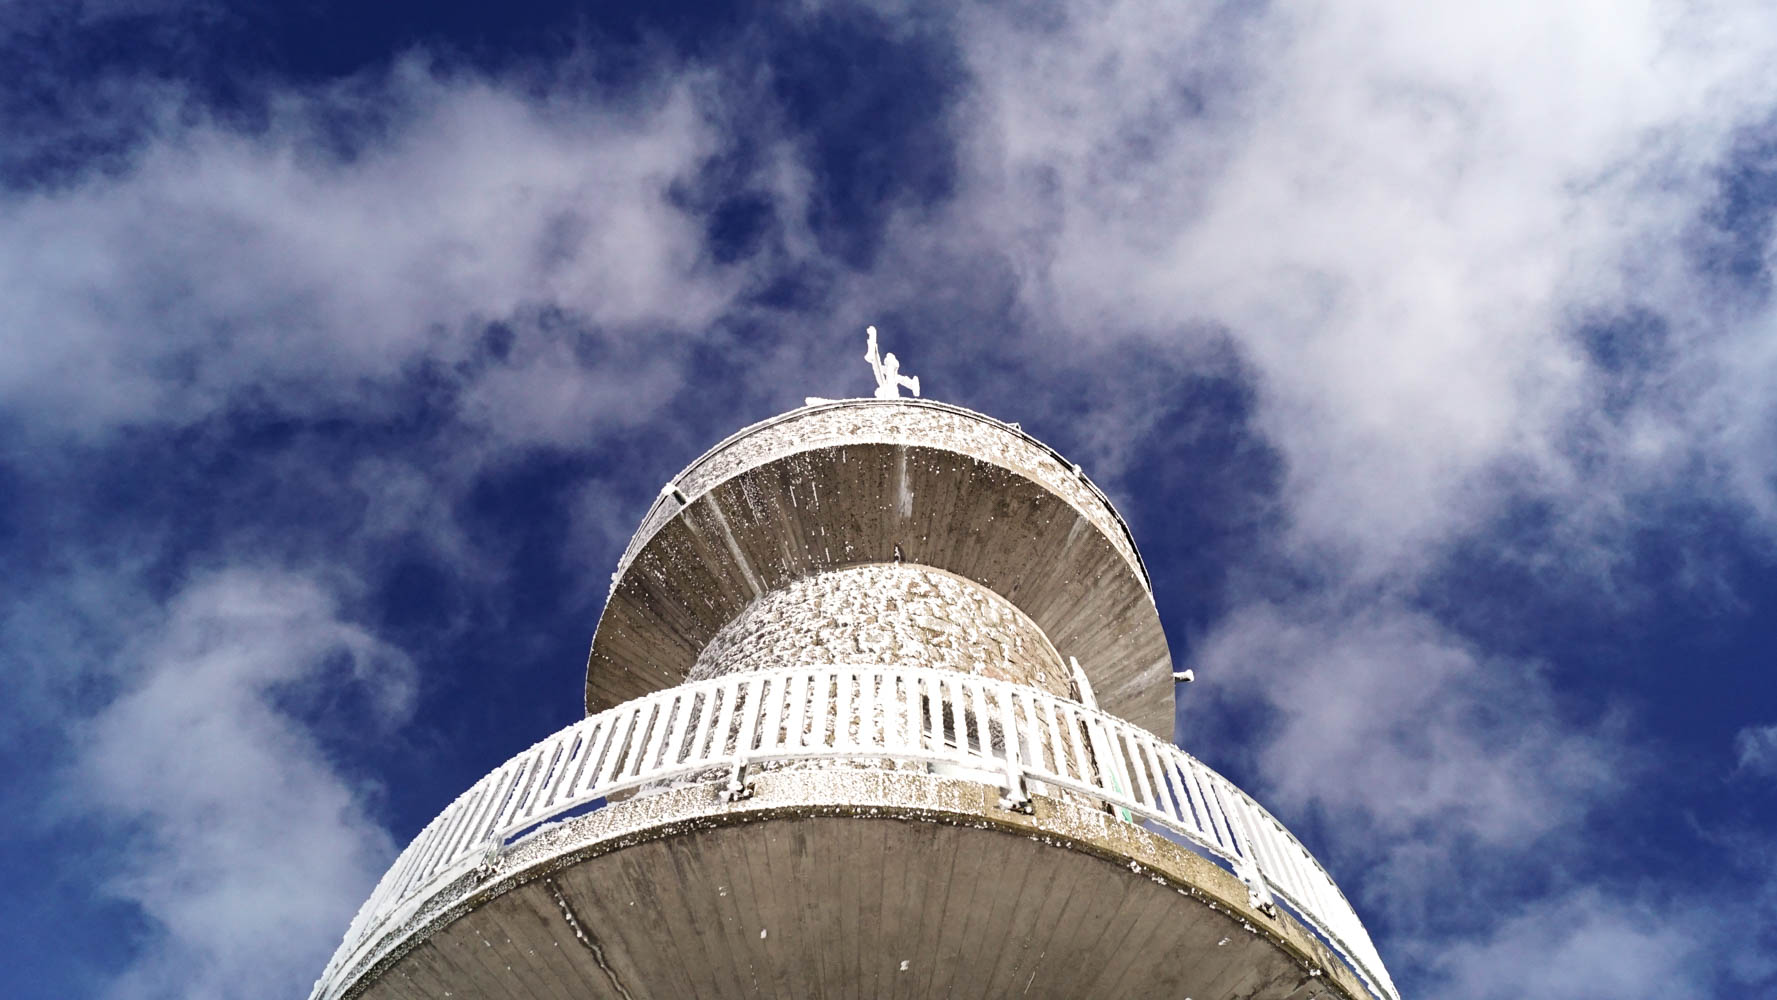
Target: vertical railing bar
[
  {"x": 674, "y": 751},
  {"x": 1164, "y": 799},
  {"x": 799, "y": 684},
  {"x": 661, "y": 740},
  {"x": 490, "y": 817},
  {"x": 1244, "y": 849},
  {"x": 1213, "y": 797},
  {"x": 888, "y": 700},
  {"x": 842, "y": 717},
  {"x": 1057, "y": 748},
  {"x": 912, "y": 718},
  {"x": 447, "y": 825},
  {"x": 573, "y": 756},
  {"x": 527, "y": 776},
  {"x": 959, "y": 716},
  {"x": 1192, "y": 810},
  {"x": 867, "y": 709},
  {"x": 729, "y": 689},
  {"x": 372, "y": 910},
  {"x": 1283, "y": 848},
  {"x": 983, "y": 730},
  {"x": 608, "y": 724},
  {"x": 934, "y": 702},
  {"x": 1334, "y": 902},
  {"x": 1325, "y": 910},
  {"x": 491, "y": 796},
  {"x": 1309, "y": 875},
  {"x": 820, "y": 702},
  {"x": 1258, "y": 841},
  {"x": 1291, "y": 876},
  {"x": 597, "y": 729},
  {"x": 1143, "y": 789},
  {"x": 894, "y": 712},
  {"x": 1102, "y": 755},
  {"x": 1205, "y": 803},
  {"x": 1090, "y": 773},
  {"x": 749, "y": 707},
  {"x": 565, "y": 743},
  {"x": 1009, "y": 736},
  {"x": 769, "y": 739},
  {"x": 1032, "y": 730},
  {"x": 503, "y": 816},
  {"x": 460, "y": 826},
  {"x": 538, "y": 785},
  {"x": 612, "y": 766},
  {"x": 641, "y": 739}
]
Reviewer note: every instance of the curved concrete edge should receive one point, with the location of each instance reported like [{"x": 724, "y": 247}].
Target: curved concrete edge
[
  {"x": 863, "y": 793},
  {"x": 908, "y": 422},
  {"x": 754, "y": 512}
]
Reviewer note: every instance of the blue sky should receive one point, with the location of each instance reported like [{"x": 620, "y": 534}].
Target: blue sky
[{"x": 1430, "y": 352}]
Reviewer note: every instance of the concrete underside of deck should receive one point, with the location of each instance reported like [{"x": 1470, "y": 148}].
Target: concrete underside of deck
[{"x": 853, "y": 884}]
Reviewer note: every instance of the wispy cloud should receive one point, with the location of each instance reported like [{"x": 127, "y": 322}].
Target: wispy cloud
[
  {"x": 236, "y": 835},
  {"x": 223, "y": 259},
  {"x": 1755, "y": 750},
  {"x": 1449, "y": 261}
]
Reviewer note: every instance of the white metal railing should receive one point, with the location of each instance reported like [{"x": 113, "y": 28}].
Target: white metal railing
[{"x": 1005, "y": 733}]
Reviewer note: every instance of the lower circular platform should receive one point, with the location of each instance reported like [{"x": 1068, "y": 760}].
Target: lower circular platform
[{"x": 851, "y": 882}]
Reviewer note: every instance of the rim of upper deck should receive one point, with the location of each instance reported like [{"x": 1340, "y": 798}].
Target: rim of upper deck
[{"x": 651, "y": 521}]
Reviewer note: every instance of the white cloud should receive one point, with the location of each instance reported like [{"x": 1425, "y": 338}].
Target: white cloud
[
  {"x": 1755, "y": 750},
  {"x": 221, "y": 259},
  {"x": 1395, "y": 211},
  {"x": 1404, "y": 731},
  {"x": 244, "y": 846},
  {"x": 1584, "y": 945}
]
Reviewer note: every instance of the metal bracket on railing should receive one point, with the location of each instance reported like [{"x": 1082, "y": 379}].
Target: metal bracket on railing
[
  {"x": 1257, "y": 893},
  {"x": 738, "y": 787},
  {"x": 490, "y": 857},
  {"x": 1016, "y": 801},
  {"x": 1016, "y": 797}
]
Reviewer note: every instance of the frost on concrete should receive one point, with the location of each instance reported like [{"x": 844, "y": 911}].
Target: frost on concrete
[
  {"x": 914, "y": 423},
  {"x": 891, "y": 615}
]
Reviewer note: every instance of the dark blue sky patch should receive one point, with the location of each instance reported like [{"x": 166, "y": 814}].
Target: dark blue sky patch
[
  {"x": 1630, "y": 352},
  {"x": 870, "y": 102},
  {"x": 738, "y": 211},
  {"x": 1734, "y": 235},
  {"x": 1206, "y": 494},
  {"x": 63, "y": 939},
  {"x": 1673, "y": 630}
]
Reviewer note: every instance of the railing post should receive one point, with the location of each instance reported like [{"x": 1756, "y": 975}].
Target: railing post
[
  {"x": 1016, "y": 797},
  {"x": 1257, "y": 892},
  {"x": 738, "y": 786}
]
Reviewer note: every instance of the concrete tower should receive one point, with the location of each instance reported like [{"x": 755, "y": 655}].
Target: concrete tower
[{"x": 879, "y": 706}]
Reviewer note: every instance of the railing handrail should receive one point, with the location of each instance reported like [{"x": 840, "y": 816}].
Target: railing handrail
[{"x": 1015, "y": 733}]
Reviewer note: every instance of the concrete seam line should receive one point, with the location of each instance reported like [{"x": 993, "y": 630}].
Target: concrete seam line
[{"x": 592, "y": 945}]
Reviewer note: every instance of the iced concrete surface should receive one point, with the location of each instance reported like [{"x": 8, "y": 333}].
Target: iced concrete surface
[
  {"x": 854, "y": 884},
  {"x": 961, "y": 564},
  {"x": 868, "y": 481},
  {"x": 887, "y": 614}
]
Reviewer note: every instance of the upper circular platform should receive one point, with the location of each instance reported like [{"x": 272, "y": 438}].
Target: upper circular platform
[{"x": 879, "y": 481}]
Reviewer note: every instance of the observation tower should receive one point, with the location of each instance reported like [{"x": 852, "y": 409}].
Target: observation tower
[{"x": 879, "y": 706}]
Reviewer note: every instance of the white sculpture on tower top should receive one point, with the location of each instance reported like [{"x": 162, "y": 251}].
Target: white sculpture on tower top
[{"x": 889, "y": 379}]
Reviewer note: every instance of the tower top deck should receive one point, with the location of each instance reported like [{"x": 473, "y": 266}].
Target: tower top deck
[{"x": 850, "y": 482}]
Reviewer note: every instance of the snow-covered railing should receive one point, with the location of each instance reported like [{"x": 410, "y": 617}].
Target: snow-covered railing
[{"x": 994, "y": 731}]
